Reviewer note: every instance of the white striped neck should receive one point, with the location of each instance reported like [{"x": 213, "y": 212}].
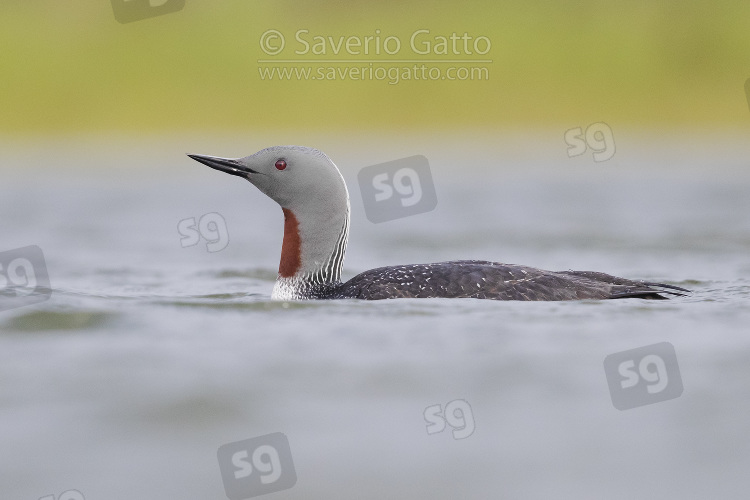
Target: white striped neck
[{"x": 312, "y": 252}]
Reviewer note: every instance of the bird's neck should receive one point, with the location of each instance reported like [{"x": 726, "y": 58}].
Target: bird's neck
[{"x": 312, "y": 252}]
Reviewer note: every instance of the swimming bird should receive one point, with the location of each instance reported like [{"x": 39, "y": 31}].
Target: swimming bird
[{"x": 315, "y": 201}]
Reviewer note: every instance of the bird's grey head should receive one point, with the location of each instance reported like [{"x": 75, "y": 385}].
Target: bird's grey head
[
  {"x": 296, "y": 177},
  {"x": 313, "y": 194}
]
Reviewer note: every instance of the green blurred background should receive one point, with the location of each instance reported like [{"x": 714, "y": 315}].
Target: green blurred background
[{"x": 69, "y": 67}]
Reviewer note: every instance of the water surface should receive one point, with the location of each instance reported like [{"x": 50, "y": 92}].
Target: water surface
[{"x": 149, "y": 356}]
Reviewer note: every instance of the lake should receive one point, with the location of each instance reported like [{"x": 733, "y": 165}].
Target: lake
[{"x": 157, "y": 347}]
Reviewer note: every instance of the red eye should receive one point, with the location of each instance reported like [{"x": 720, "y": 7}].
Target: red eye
[{"x": 280, "y": 164}]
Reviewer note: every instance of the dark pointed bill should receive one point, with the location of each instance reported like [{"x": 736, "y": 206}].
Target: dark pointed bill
[{"x": 228, "y": 165}]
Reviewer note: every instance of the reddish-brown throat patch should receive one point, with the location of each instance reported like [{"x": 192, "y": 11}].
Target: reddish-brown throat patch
[{"x": 291, "y": 248}]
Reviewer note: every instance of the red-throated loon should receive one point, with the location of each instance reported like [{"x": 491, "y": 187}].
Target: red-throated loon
[{"x": 313, "y": 195}]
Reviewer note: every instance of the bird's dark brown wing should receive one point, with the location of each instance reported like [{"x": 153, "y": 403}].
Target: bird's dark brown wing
[{"x": 492, "y": 280}]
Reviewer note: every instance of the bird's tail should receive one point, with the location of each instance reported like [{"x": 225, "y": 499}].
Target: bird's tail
[{"x": 652, "y": 291}]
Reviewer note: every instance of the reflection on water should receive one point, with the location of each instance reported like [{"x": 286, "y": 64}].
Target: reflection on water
[{"x": 149, "y": 355}]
